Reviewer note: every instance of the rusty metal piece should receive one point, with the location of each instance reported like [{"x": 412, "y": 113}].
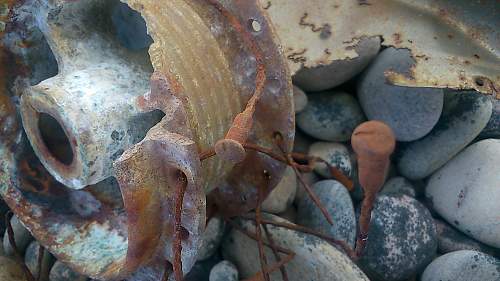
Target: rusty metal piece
[
  {"x": 123, "y": 226},
  {"x": 455, "y": 44},
  {"x": 373, "y": 142}
]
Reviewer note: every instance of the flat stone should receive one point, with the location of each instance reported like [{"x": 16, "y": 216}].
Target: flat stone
[
  {"x": 410, "y": 112},
  {"x": 282, "y": 195},
  {"x": 450, "y": 240},
  {"x": 21, "y": 235},
  {"x": 61, "y": 272},
  {"x": 336, "y": 154},
  {"x": 315, "y": 259},
  {"x": 402, "y": 239},
  {"x": 10, "y": 270},
  {"x": 224, "y": 271},
  {"x": 330, "y": 116},
  {"x": 466, "y": 193},
  {"x": 211, "y": 238},
  {"x": 398, "y": 185},
  {"x": 463, "y": 265},
  {"x": 31, "y": 261},
  {"x": 492, "y": 129},
  {"x": 337, "y": 201},
  {"x": 339, "y": 71},
  {"x": 464, "y": 116},
  {"x": 299, "y": 99}
]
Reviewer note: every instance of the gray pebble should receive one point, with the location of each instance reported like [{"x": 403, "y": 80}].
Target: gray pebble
[
  {"x": 31, "y": 261},
  {"x": 492, "y": 129},
  {"x": 211, "y": 238},
  {"x": 398, "y": 185},
  {"x": 325, "y": 77},
  {"x": 10, "y": 270},
  {"x": 464, "y": 116},
  {"x": 337, "y": 201},
  {"x": 224, "y": 271},
  {"x": 466, "y": 191},
  {"x": 450, "y": 240},
  {"x": 299, "y": 99},
  {"x": 21, "y": 236},
  {"x": 410, "y": 112},
  {"x": 61, "y": 272},
  {"x": 463, "y": 265},
  {"x": 330, "y": 116},
  {"x": 336, "y": 154},
  {"x": 402, "y": 239},
  {"x": 282, "y": 195}
]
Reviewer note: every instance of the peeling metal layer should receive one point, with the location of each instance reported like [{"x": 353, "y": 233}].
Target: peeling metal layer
[{"x": 455, "y": 43}]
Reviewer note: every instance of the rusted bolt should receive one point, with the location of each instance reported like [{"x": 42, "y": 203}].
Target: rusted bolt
[{"x": 373, "y": 142}]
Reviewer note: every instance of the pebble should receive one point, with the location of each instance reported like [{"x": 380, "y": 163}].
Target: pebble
[
  {"x": 61, "y": 272},
  {"x": 224, "y": 271},
  {"x": 339, "y": 71},
  {"x": 464, "y": 116},
  {"x": 492, "y": 129},
  {"x": 336, "y": 154},
  {"x": 465, "y": 265},
  {"x": 337, "y": 201},
  {"x": 410, "y": 112},
  {"x": 330, "y": 116},
  {"x": 282, "y": 195},
  {"x": 31, "y": 260},
  {"x": 21, "y": 236},
  {"x": 315, "y": 259},
  {"x": 398, "y": 185},
  {"x": 211, "y": 238},
  {"x": 402, "y": 238},
  {"x": 450, "y": 240},
  {"x": 10, "y": 270},
  {"x": 466, "y": 191},
  {"x": 299, "y": 99}
]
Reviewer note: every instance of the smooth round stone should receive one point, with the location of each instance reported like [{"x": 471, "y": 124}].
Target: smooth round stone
[
  {"x": 325, "y": 77},
  {"x": 466, "y": 191},
  {"x": 463, "y": 265},
  {"x": 224, "y": 271},
  {"x": 402, "y": 239},
  {"x": 21, "y": 235},
  {"x": 211, "y": 238},
  {"x": 310, "y": 179},
  {"x": 336, "y": 154},
  {"x": 410, "y": 112},
  {"x": 492, "y": 129},
  {"x": 337, "y": 201},
  {"x": 299, "y": 99},
  {"x": 61, "y": 272},
  {"x": 282, "y": 195},
  {"x": 315, "y": 258},
  {"x": 464, "y": 116},
  {"x": 10, "y": 270},
  {"x": 398, "y": 185},
  {"x": 330, "y": 116},
  {"x": 450, "y": 240},
  {"x": 31, "y": 261}
]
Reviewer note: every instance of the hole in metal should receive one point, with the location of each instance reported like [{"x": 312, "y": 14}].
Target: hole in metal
[{"x": 55, "y": 139}]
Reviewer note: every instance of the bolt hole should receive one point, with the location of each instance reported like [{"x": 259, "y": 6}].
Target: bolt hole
[
  {"x": 55, "y": 139},
  {"x": 479, "y": 81},
  {"x": 255, "y": 25}
]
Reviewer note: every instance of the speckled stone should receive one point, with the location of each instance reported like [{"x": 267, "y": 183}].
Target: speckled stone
[
  {"x": 282, "y": 195},
  {"x": 61, "y": 272},
  {"x": 398, "y": 185},
  {"x": 299, "y": 99},
  {"x": 492, "y": 129},
  {"x": 463, "y": 265},
  {"x": 464, "y": 116},
  {"x": 337, "y": 201},
  {"x": 31, "y": 260},
  {"x": 21, "y": 235},
  {"x": 330, "y": 116},
  {"x": 339, "y": 71},
  {"x": 410, "y": 112},
  {"x": 211, "y": 238},
  {"x": 402, "y": 239},
  {"x": 466, "y": 191},
  {"x": 10, "y": 270},
  {"x": 450, "y": 240},
  {"x": 224, "y": 271},
  {"x": 315, "y": 259},
  {"x": 336, "y": 154}
]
